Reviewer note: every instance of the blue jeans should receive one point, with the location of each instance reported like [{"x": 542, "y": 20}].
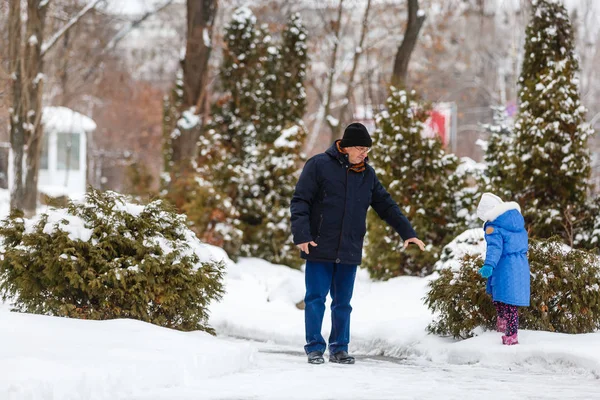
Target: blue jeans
[{"x": 322, "y": 278}]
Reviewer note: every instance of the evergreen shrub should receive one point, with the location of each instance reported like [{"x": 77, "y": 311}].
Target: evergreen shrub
[
  {"x": 105, "y": 258},
  {"x": 565, "y": 293}
]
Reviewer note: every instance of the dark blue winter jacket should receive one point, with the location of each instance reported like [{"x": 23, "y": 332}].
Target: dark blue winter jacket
[{"x": 330, "y": 207}]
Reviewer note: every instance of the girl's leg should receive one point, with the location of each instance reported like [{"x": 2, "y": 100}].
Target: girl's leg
[
  {"x": 512, "y": 320},
  {"x": 501, "y": 318},
  {"x": 512, "y": 325}
]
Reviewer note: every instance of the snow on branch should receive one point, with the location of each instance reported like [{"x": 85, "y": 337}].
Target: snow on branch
[
  {"x": 133, "y": 24},
  {"x": 122, "y": 33},
  {"x": 52, "y": 41}
]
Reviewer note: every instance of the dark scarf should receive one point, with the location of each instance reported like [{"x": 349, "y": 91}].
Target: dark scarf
[{"x": 360, "y": 167}]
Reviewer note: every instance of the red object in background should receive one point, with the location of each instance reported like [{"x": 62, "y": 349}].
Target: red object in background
[{"x": 439, "y": 123}]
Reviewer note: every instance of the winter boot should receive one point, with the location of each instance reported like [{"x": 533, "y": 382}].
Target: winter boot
[
  {"x": 510, "y": 340},
  {"x": 341, "y": 357},
  {"x": 315, "y": 357},
  {"x": 501, "y": 325}
]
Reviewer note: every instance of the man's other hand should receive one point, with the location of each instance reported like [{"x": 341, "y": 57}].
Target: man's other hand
[{"x": 304, "y": 246}]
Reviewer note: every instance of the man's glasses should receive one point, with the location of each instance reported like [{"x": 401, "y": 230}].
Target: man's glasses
[{"x": 364, "y": 150}]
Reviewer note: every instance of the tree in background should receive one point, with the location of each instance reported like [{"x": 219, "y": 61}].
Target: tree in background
[
  {"x": 210, "y": 211},
  {"x": 499, "y": 153},
  {"x": 26, "y": 54},
  {"x": 251, "y": 150},
  {"x": 181, "y": 141},
  {"x": 416, "y": 18},
  {"x": 422, "y": 179},
  {"x": 551, "y": 158},
  {"x": 271, "y": 171},
  {"x": 231, "y": 136}
]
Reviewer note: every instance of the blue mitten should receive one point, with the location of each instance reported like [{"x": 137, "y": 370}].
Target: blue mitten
[{"x": 486, "y": 271}]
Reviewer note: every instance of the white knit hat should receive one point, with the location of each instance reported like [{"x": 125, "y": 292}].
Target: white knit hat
[{"x": 487, "y": 203}]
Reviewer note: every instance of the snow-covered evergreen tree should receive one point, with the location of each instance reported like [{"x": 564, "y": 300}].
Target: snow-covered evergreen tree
[
  {"x": 551, "y": 155},
  {"x": 422, "y": 179},
  {"x": 269, "y": 237},
  {"x": 251, "y": 151},
  {"x": 270, "y": 169}
]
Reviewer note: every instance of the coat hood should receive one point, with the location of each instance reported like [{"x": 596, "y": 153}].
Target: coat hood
[{"x": 509, "y": 217}]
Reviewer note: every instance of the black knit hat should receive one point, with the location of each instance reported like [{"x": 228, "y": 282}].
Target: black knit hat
[{"x": 356, "y": 134}]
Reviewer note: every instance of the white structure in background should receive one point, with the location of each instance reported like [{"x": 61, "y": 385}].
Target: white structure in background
[{"x": 63, "y": 162}]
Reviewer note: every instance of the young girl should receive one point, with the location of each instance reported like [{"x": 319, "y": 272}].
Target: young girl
[{"x": 506, "y": 265}]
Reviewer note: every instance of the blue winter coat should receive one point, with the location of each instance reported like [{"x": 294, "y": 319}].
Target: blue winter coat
[
  {"x": 330, "y": 207},
  {"x": 507, "y": 245}
]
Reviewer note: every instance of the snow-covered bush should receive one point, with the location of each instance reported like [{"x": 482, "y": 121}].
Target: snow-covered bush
[
  {"x": 565, "y": 293},
  {"x": 106, "y": 258}
]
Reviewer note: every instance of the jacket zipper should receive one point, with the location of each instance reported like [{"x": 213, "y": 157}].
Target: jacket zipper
[
  {"x": 343, "y": 217},
  {"x": 320, "y": 225}
]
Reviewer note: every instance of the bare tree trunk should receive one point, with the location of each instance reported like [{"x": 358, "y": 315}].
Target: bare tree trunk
[
  {"x": 416, "y": 18},
  {"x": 200, "y": 18},
  {"x": 36, "y": 21},
  {"x": 17, "y": 134},
  {"x": 64, "y": 74},
  {"x": 337, "y": 27},
  {"x": 26, "y": 55},
  {"x": 357, "y": 54}
]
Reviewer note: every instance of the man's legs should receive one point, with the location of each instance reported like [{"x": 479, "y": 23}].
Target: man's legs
[
  {"x": 318, "y": 277},
  {"x": 342, "y": 287}
]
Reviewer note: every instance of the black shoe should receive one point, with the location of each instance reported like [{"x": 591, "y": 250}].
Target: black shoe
[
  {"x": 341, "y": 357},
  {"x": 315, "y": 357}
]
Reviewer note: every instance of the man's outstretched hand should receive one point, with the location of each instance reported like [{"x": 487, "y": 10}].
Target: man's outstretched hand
[
  {"x": 416, "y": 241},
  {"x": 304, "y": 246}
]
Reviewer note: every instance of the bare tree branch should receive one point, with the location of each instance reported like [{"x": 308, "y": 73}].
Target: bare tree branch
[
  {"x": 332, "y": 68},
  {"x": 112, "y": 43},
  {"x": 317, "y": 89},
  {"x": 325, "y": 104},
  {"x": 132, "y": 25},
  {"x": 54, "y": 39},
  {"x": 357, "y": 54}
]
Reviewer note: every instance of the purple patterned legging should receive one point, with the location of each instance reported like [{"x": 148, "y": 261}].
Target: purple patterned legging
[{"x": 510, "y": 314}]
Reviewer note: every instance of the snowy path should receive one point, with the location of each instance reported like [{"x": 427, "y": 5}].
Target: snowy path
[{"x": 283, "y": 373}]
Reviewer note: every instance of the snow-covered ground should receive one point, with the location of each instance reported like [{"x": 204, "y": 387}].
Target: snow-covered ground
[
  {"x": 388, "y": 319},
  {"x": 258, "y": 352}
]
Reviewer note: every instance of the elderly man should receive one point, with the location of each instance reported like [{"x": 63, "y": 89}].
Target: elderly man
[{"x": 329, "y": 211}]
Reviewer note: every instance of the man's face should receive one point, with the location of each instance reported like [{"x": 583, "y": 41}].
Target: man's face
[{"x": 357, "y": 154}]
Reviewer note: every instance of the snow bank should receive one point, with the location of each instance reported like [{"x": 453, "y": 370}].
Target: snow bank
[{"x": 59, "y": 358}]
